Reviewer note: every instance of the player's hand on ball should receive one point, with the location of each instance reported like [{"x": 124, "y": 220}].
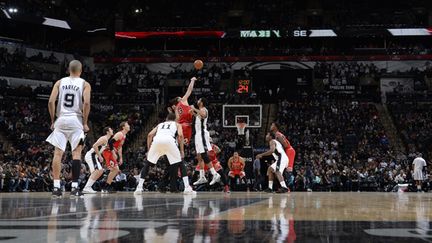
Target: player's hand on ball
[{"x": 86, "y": 128}]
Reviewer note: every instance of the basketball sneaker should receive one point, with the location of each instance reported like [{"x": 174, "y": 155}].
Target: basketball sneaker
[
  {"x": 227, "y": 189},
  {"x": 189, "y": 190},
  {"x": 216, "y": 179},
  {"x": 138, "y": 191},
  {"x": 57, "y": 193},
  {"x": 109, "y": 190},
  {"x": 201, "y": 180},
  {"x": 268, "y": 190},
  {"x": 76, "y": 193},
  {"x": 89, "y": 190},
  {"x": 282, "y": 190}
]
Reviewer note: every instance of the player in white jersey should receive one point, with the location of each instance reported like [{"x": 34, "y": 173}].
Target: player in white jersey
[
  {"x": 73, "y": 108},
  {"x": 202, "y": 142},
  {"x": 278, "y": 167},
  {"x": 162, "y": 141},
  {"x": 418, "y": 164},
  {"x": 93, "y": 158}
]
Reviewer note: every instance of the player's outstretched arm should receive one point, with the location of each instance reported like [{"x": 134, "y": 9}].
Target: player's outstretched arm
[
  {"x": 51, "y": 102},
  {"x": 150, "y": 136},
  {"x": 86, "y": 105},
  {"x": 180, "y": 139},
  {"x": 189, "y": 90},
  {"x": 270, "y": 151}
]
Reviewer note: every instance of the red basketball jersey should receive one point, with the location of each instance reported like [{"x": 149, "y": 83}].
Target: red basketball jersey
[{"x": 185, "y": 116}]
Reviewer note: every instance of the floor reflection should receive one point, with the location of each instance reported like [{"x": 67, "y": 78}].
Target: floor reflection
[{"x": 210, "y": 218}]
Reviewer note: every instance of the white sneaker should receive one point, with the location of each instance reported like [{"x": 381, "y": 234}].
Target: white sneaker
[
  {"x": 216, "y": 179},
  {"x": 88, "y": 190},
  {"x": 189, "y": 190},
  {"x": 201, "y": 180},
  {"x": 138, "y": 191}
]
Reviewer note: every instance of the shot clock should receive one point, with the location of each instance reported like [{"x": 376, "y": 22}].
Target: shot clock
[{"x": 243, "y": 86}]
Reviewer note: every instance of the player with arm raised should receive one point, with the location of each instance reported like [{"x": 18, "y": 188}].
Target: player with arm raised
[
  {"x": 277, "y": 167},
  {"x": 162, "y": 141},
  {"x": 202, "y": 142},
  {"x": 184, "y": 112},
  {"x": 73, "y": 108}
]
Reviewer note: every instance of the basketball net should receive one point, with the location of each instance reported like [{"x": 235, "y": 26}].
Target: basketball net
[{"x": 241, "y": 127}]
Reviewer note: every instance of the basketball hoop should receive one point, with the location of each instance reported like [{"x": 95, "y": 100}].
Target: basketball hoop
[{"x": 241, "y": 126}]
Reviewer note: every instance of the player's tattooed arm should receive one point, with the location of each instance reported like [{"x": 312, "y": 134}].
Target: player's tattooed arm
[{"x": 51, "y": 102}]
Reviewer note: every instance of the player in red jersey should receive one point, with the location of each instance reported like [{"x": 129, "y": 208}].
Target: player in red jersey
[
  {"x": 113, "y": 155},
  {"x": 184, "y": 112},
  {"x": 289, "y": 150},
  {"x": 216, "y": 165}
]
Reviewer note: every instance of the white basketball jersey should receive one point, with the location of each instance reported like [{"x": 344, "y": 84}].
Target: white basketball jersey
[
  {"x": 201, "y": 123},
  {"x": 70, "y": 97},
  {"x": 279, "y": 151},
  {"x": 167, "y": 129}
]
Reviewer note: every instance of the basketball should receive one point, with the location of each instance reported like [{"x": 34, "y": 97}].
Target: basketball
[{"x": 198, "y": 64}]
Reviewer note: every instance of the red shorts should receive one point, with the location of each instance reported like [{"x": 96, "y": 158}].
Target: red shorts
[
  {"x": 233, "y": 173},
  {"x": 216, "y": 165},
  {"x": 290, "y": 152},
  {"x": 187, "y": 132},
  {"x": 110, "y": 158}
]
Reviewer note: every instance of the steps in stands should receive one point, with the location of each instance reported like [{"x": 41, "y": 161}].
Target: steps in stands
[
  {"x": 151, "y": 122},
  {"x": 269, "y": 115},
  {"x": 391, "y": 131}
]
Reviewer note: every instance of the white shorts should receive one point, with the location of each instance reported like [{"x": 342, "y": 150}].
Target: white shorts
[
  {"x": 164, "y": 146},
  {"x": 280, "y": 164},
  {"x": 418, "y": 175},
  {"x": 202, "y": 142},
  {"x": 67, "y": 129},
  {"x": 92, "y": 161}
]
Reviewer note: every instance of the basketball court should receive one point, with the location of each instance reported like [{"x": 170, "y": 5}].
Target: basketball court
[{"x": 216, "y": 217}]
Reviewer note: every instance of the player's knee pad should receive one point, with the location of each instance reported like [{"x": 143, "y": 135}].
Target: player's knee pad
[{"x": 205, "y": 157}]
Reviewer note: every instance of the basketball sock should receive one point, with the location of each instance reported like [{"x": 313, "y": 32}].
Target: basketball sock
[
  {"x": 57, "y": 183},
  {"x": 201, "y": 173},
  {"x": 418, "y": 187},
  {"x": 186, "y": 181},
  {"x": 76, "y": 169},
  {"x": 140, "y": 183},
  {"x": 270, "y": 184},
  {"x": 213, "y": 171},
  {"x": 74, "y": 185},
  {"x": 90, "y": 182},
  {"x": 283, "y": 184}
]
